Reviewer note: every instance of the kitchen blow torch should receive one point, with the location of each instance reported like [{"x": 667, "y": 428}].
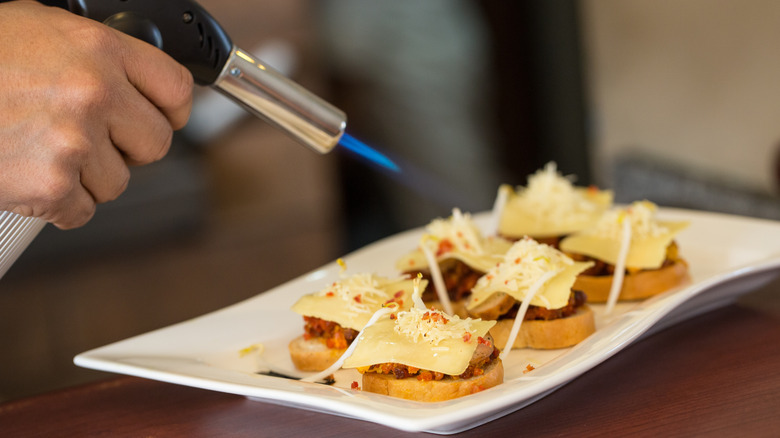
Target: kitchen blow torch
[{"x": 190, "y": 35}]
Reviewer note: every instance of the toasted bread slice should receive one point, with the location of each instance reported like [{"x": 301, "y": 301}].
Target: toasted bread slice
[
  {"x": 313, "y": 354},
  {"x": 637, "y": 286},
  {"x": 433, "y": 390},
  {"x": 547, "y": 335}
]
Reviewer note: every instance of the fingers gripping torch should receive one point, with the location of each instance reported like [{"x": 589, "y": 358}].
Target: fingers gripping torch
[{"x": 186, "y": 32}]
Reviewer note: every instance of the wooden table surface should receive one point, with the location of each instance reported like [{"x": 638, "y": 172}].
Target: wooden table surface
[{"x": 715, "y": 375}]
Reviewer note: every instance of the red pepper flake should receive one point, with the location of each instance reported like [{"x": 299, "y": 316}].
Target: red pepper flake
[
  {"x": 518, "y": 260},
  {"x": 466, "y": 337},
  {"x": 460, "y": 234},
  {"x": 445, "y": 246},
  {"x": 393, "y": 316},
  {"x": 593, "y": 189},
  {"x": 411, "y": 262},
  {"x": 355, "y": 385},
  {"x": 330, "y": 294},
  {"x": 358, "y": 298},
  {"x": 490, "y": 276},
  {"x": 483, "y": 341},
  {"x": 399, "y": 294},
  {"x": 435, "y": 317},
  {"x": 528, "y": 368}
]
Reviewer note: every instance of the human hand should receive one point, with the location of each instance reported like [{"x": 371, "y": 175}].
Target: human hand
[{"x": 79, "y": 102}]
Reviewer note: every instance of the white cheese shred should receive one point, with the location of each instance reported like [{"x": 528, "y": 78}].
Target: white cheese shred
[
  {"x": 524, "y": 308},
  {"x": 337, "y": 365},
  {"x": 460, "y": 230},
  {"x": 417, "y": 293},
  {"x": 438, "y": 280},
  {"x": 498, "y": 208},
  {"x": 620, "y": 266},
  {"x": 422, "y": 324}
]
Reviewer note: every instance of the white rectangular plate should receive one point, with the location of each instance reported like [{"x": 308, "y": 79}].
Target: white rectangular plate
[{"x": 728, "y": 256}]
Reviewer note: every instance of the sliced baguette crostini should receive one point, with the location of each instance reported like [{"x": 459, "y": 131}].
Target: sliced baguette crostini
[
  {"x": 335, "y": 315},
  {"x": 530, "y": 293},
  {"x": 426, "y": 355},
  {"x": 635, "y": 255},
  {"x": 452, "y": 255}
]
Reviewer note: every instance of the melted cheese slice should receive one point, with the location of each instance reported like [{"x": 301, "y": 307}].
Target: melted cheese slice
[
  {"x": 352, "y": 301},
  {"x": 463, "y": 241},
  {"x": 525, "y": 264},
  {"x": 551, "y": 206},
  {"x": 442, "y": 348},
  {"x": 649, "y": 237}
]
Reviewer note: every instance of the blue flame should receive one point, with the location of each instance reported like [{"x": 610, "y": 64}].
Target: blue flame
[
  {"x": 363, "y": 150},
  {"x": 417, "y": 179}
]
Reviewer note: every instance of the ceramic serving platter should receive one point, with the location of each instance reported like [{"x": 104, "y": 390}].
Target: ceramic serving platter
[{"x": 226, "y": 350}]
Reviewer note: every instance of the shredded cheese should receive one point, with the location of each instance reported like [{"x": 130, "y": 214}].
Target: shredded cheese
[
  {"x": 532, "y": 291},
  {"x": 419, "y": 337},
  {"x": 639, "y": 216},
  {"x": 360, "y": 293},
  {"x": 431, "y": 326},
  {"x": 460, "y": 230},
  {"x": 498, "y": 207},
  {"x": 620, "y": 267},
  {"x": 524, "y": 264},
  {"x": 438, "y": 279},
  {"x": 352, "y": 300},
  {"x": 551, "y": 205},
  {"x": 417, "y": 292},
  {"x": 458, "y": 238}
]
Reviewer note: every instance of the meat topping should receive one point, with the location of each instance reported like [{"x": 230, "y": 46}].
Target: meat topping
[
  {"x": 459, "y": 279},
  {"x": 576, "y": 299},
  {"x": 335, "y": 335}
]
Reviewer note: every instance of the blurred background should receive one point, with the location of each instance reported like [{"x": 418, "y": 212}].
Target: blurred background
[{"x": 673, "y": 101}]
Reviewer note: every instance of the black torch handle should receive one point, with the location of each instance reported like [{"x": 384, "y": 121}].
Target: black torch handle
[{"x": 181, "y": 28}]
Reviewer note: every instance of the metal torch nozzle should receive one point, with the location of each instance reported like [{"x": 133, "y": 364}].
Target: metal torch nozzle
[{"x": 273, "y": 97}]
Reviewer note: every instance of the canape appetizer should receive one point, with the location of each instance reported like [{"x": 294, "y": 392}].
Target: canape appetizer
[
  {"x": 635, "y": 255},
  {"x": 550, "y": 207},
  {"x": 334, "y": 316},
  {"x": 530, "y": 295},
  {"x": 453, "y": 254},
  {"x": 426, "y": 355}
]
